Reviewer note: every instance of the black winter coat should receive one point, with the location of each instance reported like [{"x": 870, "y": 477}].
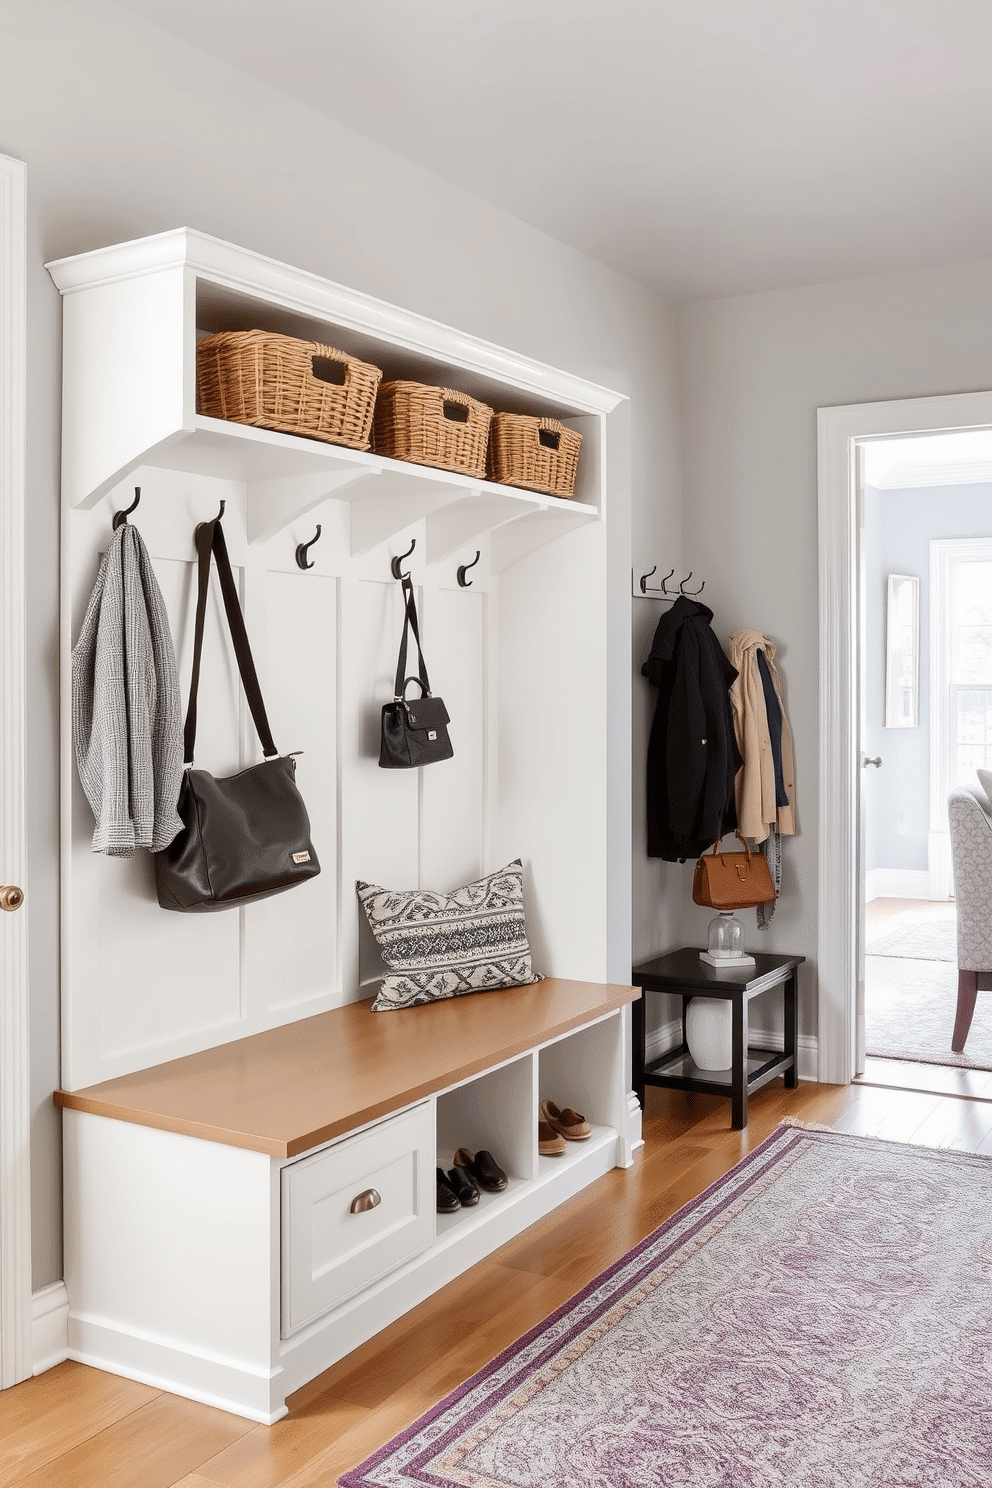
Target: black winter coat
[{"x": 692, "y": 753}]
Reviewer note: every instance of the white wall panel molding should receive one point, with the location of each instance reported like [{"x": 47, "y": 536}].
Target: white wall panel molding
[
  {"x": 49, "y": 1327},
  {"x": 15, "y": 1176},
  {"x": 840, "y": 431}
]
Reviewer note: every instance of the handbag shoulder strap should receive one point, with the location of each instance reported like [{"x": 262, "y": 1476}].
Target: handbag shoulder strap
[
  {"x": 210, "y": 539},
  {"x": 410, "y": 623}
]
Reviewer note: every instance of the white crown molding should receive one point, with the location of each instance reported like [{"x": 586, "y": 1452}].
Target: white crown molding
[
  {"x": 49, "y": 1327},
  {"x": 15, "y": 1128},
  {"x": 253, "y": 274}
]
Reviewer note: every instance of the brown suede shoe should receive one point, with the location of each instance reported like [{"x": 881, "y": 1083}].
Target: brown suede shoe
[
  {"x": 549, "y": 1142},
  {"x": 569, "y": 1123}
]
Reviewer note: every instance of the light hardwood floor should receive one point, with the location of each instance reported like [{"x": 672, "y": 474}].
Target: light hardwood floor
[{"x": 77, "y": 1428}]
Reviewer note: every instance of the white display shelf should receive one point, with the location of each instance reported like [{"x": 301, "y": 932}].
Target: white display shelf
[
  {"x": 286, "y": 476},
  {"x": 451, "y": 1227},
  {"x": 132, "y": 317},
  {"x": 577, "y": 1154},
  {"x": 570, "y": 1171}
]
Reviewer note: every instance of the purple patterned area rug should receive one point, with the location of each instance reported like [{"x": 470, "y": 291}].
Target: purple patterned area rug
[{"x": 821, "y": 1316}]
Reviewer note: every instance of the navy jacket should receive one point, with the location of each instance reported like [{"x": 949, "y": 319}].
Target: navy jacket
[{"x": 692, "y": 753}]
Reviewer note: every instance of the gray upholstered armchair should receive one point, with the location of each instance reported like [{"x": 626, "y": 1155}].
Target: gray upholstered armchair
[{"x": 971, "y": 853}]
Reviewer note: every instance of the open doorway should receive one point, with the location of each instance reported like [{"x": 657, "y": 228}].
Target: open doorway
[{"x": 927, "y": 626}]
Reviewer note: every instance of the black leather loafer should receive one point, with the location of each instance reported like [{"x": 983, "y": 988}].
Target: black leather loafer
[
  {"x": 447, "y": 1200},
  {"x": 464, "y": 1186},
  {"x": 484, "y": 1169}
]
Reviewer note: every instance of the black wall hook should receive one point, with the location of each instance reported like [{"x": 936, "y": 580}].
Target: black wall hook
[
  {"x": 201, "y": 525},
  {"x": 690, "y": 592},
  {"x": 395, "y": 562},
  {"x": 303, "y": 548},
  {"x": 649, "y": 593},
  {"x": 463, "y": 569},
  {"x": 121, "y": 517}
]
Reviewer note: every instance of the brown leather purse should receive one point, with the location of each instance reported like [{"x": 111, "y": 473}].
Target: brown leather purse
[{"x": 732, "y": 880}]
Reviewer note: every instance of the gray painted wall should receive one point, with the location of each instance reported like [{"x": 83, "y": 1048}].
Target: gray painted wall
[
  {"x": 127, "y": 131},
  {"x": 899, "y": 526},
  {"x": 756, "y": 368}
]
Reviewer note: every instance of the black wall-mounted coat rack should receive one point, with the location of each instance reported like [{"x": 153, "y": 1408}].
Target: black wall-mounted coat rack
[{"x": 640, "y": 588}]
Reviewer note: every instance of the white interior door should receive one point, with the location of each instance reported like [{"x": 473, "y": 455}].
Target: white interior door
[{"x": 15, "y": 1187}]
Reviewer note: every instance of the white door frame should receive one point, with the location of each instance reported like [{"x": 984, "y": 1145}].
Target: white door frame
[
  {"x": 15, "y": 1107},
  {"x": 839, "y": 432}
]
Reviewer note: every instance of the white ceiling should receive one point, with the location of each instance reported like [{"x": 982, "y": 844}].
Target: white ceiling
[
  {"x": 704, "y": 147},
  {"x": 961, "y": 458}
]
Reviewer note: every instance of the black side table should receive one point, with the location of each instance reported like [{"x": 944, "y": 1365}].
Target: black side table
[{"x": 683, "y": 974}]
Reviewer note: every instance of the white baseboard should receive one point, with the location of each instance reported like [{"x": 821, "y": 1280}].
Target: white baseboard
[
  {"x": 49, "y": 1327},
  {"x": 226, "y": 1384},
  {"x": 659, "y": 1040},
  {"x": 897, "y": 883},
  {"x": 669, "y": 1035}
]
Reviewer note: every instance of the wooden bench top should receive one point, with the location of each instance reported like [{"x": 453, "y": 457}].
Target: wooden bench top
[{"x": 292, "y": 1088}]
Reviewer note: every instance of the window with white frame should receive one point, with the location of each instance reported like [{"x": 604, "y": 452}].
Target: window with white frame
[
  {"x": 969, "y": 683},
  {"x": 960, "y": 682}
]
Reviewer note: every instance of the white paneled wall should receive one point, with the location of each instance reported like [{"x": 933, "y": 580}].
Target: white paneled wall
[{"x": 149, "y": 985}]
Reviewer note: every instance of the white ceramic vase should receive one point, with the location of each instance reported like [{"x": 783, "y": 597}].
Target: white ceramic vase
[{"x": 709, "y": 1032}]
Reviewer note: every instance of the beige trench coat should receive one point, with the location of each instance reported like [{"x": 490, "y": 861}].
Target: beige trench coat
[{"x": 757, "y": 813}]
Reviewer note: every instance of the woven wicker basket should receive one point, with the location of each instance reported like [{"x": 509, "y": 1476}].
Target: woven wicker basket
[
  {"x": 278, "y": 382},
  {"x": 431, "y": 426},
  {"x": 539, "y": 454}
]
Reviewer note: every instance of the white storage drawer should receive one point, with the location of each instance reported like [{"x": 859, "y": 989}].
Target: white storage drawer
[{"x": 329, "y": 1251}]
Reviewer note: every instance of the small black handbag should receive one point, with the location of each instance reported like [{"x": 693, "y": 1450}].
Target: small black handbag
[
  {"x": 413, "y": 733},
  {"x": 246, "y": 836}
]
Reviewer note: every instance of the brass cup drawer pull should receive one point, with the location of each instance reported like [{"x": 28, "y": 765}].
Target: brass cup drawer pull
[{"x": 362, "y": 1202}]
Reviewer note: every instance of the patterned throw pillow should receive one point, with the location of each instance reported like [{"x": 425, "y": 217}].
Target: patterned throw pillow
[{"x": 441, "y": 945}]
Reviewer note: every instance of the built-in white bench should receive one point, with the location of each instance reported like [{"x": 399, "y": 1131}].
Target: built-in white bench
[{"x": 211, "y": 1245}]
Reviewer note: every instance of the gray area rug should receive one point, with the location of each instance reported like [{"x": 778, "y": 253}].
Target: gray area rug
[
  {"x": 909, "y": 1013},
  {"x": 931, "y": 939},
  {"x": 820, "y": 1316}
]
